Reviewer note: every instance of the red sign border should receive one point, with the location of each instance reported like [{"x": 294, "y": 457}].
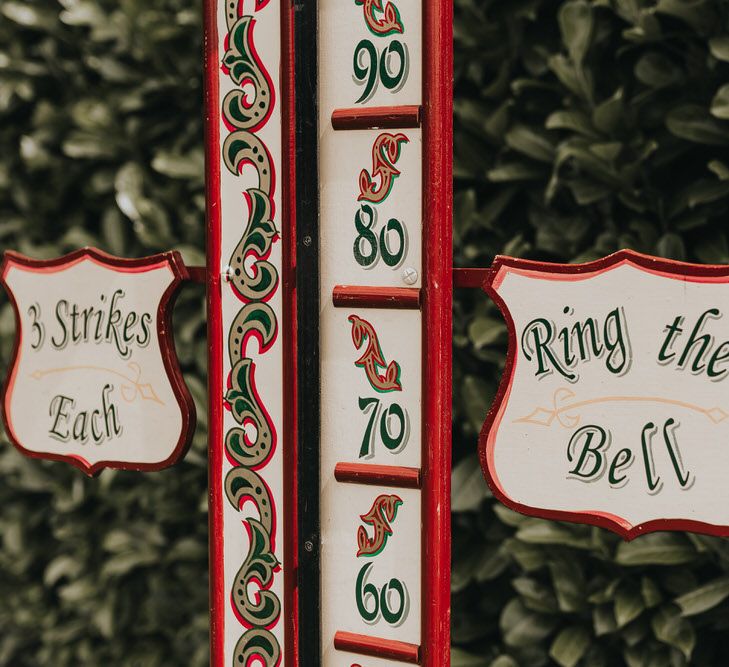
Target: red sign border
[
  {"x": 164, "y": 334},
  {"x": 695, "y": 271}
]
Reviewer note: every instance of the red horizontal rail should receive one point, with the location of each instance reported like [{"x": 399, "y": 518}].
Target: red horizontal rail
[
  {"x": 377, "y": 648},
  {"x": 346, "y": 296},
  {"x": 474, "y": 278},
  {"x": 376, "y": 118},
  {"x": 378, "y": 475},
  {"x": 198, "y": 274}
]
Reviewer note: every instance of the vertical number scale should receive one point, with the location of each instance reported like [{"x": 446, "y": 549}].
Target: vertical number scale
[{"x": 384, "y": 157}]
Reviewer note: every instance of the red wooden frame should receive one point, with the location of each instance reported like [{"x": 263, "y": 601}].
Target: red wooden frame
[
  {"x": 164, "y": 334},
  {"x": 377, "y": 648},
  {"x": 352, "y": 296},
  {"x": 435, "y": 299},
  {"x": 378, "y": 475},
  {"x": 669, "y": 268},
  {"x": 437, "y": 328},
  {"x": 215, "y": 335},
  {"x": 380, "y": 118},
  {"x": 469, "y": 278},
  {"x": 218, "y": 595}
]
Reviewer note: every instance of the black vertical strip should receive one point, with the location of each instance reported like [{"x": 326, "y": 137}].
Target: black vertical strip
[{"x": 307, "y": 291}]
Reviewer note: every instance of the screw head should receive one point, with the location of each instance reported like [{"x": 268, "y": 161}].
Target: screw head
[
  {"x": 409, "y": 275},
  {"x": 309, "y": 546},
  {"x": 307, "y": 241}
]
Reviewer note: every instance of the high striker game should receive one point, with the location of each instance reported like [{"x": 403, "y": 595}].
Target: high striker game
[
  {"x": 329, "y": 280},
  {"x": 329, "y": 206},
  {"x": 328, "y": 137}
]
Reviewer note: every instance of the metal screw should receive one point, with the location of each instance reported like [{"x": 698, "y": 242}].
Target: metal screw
[
  {"x": 409, "y": 275},
  {"x": 307, "y": 241},
  {"x": 309, "y": 546}
]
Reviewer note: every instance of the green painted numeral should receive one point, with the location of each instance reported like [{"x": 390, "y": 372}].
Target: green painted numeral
[
  {"x": 393, "y": 259},
  {"x": 364, "y": 220},
  {"x": 392, "y": 436},
  {"x": 368, "y": 445},
  {"x": 393, "y": 413},
  {"x": 370, "y": 66},
  {"x": 371, "y": 601},
  {"x": 38, "y": 329},
  {"x": 366, "y": 248}
]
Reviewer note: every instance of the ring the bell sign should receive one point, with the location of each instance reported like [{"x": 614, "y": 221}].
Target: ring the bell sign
[
  {"x": 614, "y": 395},
  {"x": 94, "y": 378}
]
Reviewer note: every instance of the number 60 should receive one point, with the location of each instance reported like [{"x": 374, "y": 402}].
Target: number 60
[{"x": 371, "y": 601}]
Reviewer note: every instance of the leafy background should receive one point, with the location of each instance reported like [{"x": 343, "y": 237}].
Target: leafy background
[
  {"x": 101, "y": 144},
  {"x": 581, "y": 127}
]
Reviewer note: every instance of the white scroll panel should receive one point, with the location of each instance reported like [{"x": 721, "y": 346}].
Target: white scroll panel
[{"x": 264, "y": 49}]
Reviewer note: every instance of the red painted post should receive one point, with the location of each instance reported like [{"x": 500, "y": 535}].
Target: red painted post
[{"x": 437, "y": 332}]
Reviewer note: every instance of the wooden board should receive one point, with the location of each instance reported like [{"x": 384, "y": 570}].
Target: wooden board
[
  {"x": 384, "y": 106},
  {"x": 251, "y": 585},
  {"x": 94, "y": 379},
  {"x": 613, "y": 394}
]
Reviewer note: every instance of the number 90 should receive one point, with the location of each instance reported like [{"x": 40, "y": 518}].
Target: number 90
[{"x": 369, "y": 66}]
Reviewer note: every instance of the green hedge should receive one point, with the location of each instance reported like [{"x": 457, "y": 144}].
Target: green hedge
[
  {"x": 101, "y": 144},
  {"x": 581, "y": 127}
]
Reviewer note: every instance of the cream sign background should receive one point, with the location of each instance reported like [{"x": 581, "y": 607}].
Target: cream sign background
[
  {"x": 614, "y": 408},
  {"x": 95, "y": 380}
]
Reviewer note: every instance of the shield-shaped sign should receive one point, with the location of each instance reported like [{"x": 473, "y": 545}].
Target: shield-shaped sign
[
  {"x": 614, "y": 405},
  {"x": 94, "y": 378}
]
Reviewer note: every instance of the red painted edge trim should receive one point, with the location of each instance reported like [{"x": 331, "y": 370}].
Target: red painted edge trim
[
  {"x": 376, "y": 118},
  {"x": 470, "y": 278},
  {"x": 630, "y": 256},
  {"x": 289, "y": 329},
  {"x": 346, "y": 296},
  {"x": 164, "y": 336},
  {"x": 215, "y": 335},
  {"x": 378, "y": 475},
  {"x": 375, "y": 647},
  {"x": 437, "y": 329},
  {"x": 198, "y": 274}
]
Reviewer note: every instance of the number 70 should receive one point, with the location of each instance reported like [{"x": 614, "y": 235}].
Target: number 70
[{"x": 393, "y": 436}]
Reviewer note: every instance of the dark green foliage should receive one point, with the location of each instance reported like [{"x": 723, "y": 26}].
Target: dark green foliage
[
  {"x": 101, "y": 144},
  {"x": 581, "y": 128}
]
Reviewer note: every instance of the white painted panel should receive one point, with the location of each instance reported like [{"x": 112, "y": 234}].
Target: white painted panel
[
  {"x": 89, "y": 380},
  {"x": 345, "y": 386},
  {"x": 342, "y": 28},
  {"x": 370, "y": 236},
  {"x": 668, "y": 414},
  {"x": 389, "y": 204},
  {"x": 341, "y": 567},
  {"x": 255, "y": 181},
  {"x": 350, "y": 404}
]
